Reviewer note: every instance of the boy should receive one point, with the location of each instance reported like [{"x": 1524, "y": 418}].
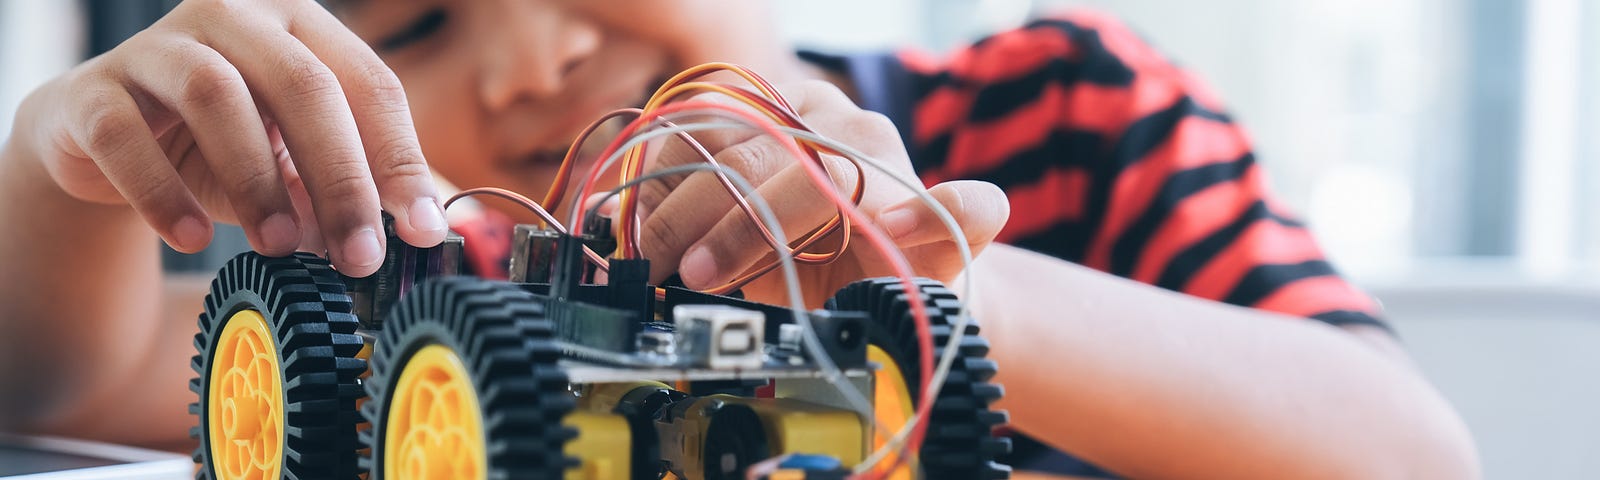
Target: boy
[{"x": 300, "y": 124}]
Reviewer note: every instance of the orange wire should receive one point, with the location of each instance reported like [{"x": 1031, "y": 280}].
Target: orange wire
[
  {"x": 529, "y": 204},
  {"x": 775, "y": 107},
  {"x": 704, "y": 69},
  {"x": 778, "y": 110},
  {"x": 633, "y": 159},
  {"x": 879, "y": 240},
  {"x": 558, "y": 188},
  {"x": 839, "y": 221},
  {"x": 771, "y": 104}
]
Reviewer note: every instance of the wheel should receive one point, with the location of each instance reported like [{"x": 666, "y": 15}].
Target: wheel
[
  {"x": 277, "y": 372},
  {"x": 465, "y": 385},
  {"x": 959, "y": 443}
]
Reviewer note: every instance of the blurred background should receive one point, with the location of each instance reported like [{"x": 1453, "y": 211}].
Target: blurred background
[{"x": 1443, "y": 150}]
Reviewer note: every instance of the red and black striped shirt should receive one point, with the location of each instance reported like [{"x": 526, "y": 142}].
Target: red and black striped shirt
[{"x": 1112, "y": 157}]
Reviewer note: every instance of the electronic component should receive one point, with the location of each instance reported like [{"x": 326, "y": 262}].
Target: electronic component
[
  {"x": 583, "y": 367},
  {"x": 641, "y": 404},
  {"x": 719, "y": 336},
  {"x": 712, "y": 439},
  {"x": 799, "y": 426},
  {"x": 404, "y": 266},
  {"x": 843, "y": 335},
  {"x": 533, "y": 253},
  {"x": 658, "y": 343},
  {"x": 790, "y": 337}
]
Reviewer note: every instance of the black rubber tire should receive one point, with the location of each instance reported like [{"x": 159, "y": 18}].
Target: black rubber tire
[
  {"x": 507, "y": 344},
  {"x": 308, "y": 313},
  {"x": 960, "y": 443}
]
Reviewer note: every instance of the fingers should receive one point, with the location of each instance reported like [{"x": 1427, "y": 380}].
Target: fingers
[
  {"x": 245, "y": 79},
  {"x": 675, "y": 152},
  {"x": 735, "y": 242},
  {"x": 678, "y": 150},
  {"x": 695, "y": 225},
  {"x": 315, "y": 118},
  {"x": 213, "y": 100},
  {"x": 383, "y": 117},
  {"x": 115, "y": 135},
  {"x": 310, "y": 233},
  {"x": 980, "y": 208},
  {"x": 682, "y": 215},
  {"x": 811, "y": 97}
]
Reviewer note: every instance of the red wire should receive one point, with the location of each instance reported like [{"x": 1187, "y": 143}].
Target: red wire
[
  {"x": 558, "y": 188},
  {"x": 798, "y": 249},
  {"x": 780, "y": 111},
  {"x": 532, "y": 206},
  {"x": 775, "y": 106},
  {"x": 874, "y": 235}
]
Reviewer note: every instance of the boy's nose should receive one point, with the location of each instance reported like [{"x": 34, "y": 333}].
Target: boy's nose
[{"x": 533, "y": 54}]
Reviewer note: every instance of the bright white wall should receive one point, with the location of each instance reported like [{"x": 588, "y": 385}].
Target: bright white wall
[
  {"x": 819, "y": 24},
  {"x": 1356, "y": 109},
  {"x": 38, "y": 40},
  {"x": 1518, "y": 359},
  {"x": 1351, "y": 104}
]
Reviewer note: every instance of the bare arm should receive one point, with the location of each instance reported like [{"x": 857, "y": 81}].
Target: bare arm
[
  {"x": 84, "y": 324},
  {"x": 221, "y": 111},
  {"x": 1144, "y": 381},
  {"x": 1153, "y": 384}
]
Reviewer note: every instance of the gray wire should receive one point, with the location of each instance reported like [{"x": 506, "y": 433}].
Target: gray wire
[
  {"x": 963, "y": 320},
  {"x": 830, "y": 370}
]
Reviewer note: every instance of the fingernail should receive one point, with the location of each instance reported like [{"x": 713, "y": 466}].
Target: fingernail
[
  {"x": 898, "y": 222},
  {"x": 362, "y": 248},
  {"x": 190, "y": 233},
  {"x": 426, "y": 216},
  {"x": 279, "y": 233},
  {"x": 698, "y": 269}
]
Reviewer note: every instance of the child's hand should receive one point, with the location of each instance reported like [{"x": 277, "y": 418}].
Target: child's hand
[
  {"x": 692, "y": 223},
  {"x": 271, "y": 115}
]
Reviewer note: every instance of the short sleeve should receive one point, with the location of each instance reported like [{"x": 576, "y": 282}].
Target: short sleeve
[{"x": 1116, "y": 159}]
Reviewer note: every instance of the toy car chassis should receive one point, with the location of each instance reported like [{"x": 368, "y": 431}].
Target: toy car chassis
[{"x": 420, "y": 372}]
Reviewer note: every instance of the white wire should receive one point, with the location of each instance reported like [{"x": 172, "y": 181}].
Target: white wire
[
  {"x": 963, "y": 318},
  {"x": 830, "y": 370}
]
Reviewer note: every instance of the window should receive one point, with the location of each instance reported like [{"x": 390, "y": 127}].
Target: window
[
  {"x": 1446, "y": 151},
  {"x": 1411, "y": 133}
]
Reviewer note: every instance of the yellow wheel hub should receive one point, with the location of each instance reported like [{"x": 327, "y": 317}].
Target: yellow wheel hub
[
  {"x": 245, "y": 401},
  {"x": 434, "y": 427},
  {"x": 891, "y": 405}
]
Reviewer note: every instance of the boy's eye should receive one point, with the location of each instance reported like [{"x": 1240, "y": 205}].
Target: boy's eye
[{"x": 425, "y": 25}]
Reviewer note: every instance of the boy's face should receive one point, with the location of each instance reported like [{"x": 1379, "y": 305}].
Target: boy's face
[{"x": 499, "y": 88}]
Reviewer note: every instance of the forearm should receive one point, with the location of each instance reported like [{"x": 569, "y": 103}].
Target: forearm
[
  {"x": 1153, "y": 384},
  {"x": 82, "y": 298}
]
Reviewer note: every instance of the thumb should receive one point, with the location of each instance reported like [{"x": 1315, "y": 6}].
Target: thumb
[{"x": 979, "y": 208}]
